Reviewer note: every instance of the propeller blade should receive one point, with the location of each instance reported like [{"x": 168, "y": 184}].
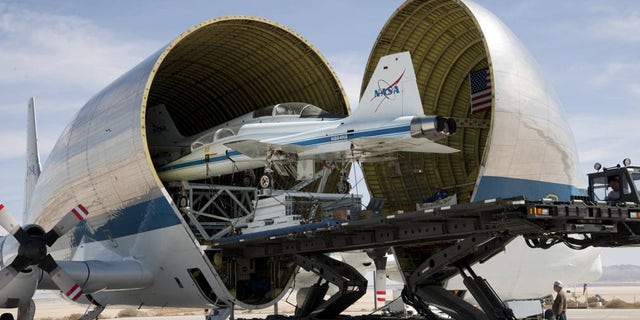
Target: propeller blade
[
  {"x": 20, "y": 263},
  {"x": 62, "y": 279},
  {"x": 68, "y": 222},
  {"x": 9, "y": 223},
  {"x": 11, "y": 271}
]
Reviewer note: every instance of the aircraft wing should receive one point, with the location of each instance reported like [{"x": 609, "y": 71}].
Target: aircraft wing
[
  {"x": 375, "y": 146},
  {"x": 257, "y": 149}
]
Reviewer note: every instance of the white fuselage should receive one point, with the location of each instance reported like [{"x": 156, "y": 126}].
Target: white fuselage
[{"x": 333, "y": 140}]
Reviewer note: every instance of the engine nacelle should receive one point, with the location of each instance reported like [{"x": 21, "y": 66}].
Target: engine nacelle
[
  {"x": 432, "y": 127},
  {"x": 20, "y": 290}
]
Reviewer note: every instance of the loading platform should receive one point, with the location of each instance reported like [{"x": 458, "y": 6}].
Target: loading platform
[{"x": 462, "y": 234}]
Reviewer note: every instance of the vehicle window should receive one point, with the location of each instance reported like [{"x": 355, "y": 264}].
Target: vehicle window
[
  {"x": 636, "y": 179},
  {"x": 625, "y": 186},
  {"x": 600, "y": 188}
]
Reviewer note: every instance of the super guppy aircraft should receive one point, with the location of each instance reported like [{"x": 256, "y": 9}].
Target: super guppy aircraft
[{"x": 135, "y": 247}]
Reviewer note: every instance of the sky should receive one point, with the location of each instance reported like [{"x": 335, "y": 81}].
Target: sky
[{"x": 63, "y": 52}]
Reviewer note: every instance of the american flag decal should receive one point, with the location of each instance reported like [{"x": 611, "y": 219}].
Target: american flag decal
[{"x": 480, "y": 83}]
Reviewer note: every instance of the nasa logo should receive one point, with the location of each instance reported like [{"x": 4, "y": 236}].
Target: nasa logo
[{"x": 386, "y": 91}]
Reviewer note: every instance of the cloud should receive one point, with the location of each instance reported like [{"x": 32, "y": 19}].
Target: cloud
[
  {"x": 621, "y": 74},
  {"x": 607, "y": 140},
  {"x": 13, "y": 145},
  {"x": 63, "y": 51},
  {"x": 350, "y": 68},
  {"x": 616, "y": 25}
]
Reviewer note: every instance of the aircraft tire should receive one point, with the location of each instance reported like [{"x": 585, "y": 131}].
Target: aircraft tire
[
  {"x": 344, "y": 187},
  {"x": 247, "y": 181},
  {"x": 266, "y": 181},
  {"x": 7, "y": 316}
]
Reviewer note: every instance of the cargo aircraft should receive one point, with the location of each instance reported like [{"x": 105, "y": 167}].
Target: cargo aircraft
[
  {"x": 102, "y": 227},
  {"x": 389, "y": 119}
]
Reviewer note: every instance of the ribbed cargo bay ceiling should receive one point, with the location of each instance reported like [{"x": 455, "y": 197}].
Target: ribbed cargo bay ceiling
[
  {"x": 226, "y": 67},
  {"x": 446, "y": 44}
]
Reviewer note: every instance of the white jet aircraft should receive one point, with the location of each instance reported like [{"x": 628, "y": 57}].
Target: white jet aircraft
[{"x": 389, "y": 118}]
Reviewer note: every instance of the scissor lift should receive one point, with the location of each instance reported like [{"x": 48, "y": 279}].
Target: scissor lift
[{"x": 464, "y": 234}]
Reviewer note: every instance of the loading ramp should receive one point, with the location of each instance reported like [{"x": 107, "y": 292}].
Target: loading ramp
[{"x": 462, "y": 235}]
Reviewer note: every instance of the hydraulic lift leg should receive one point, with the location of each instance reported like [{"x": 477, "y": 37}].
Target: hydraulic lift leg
[
  {"x": 484, "y": 294},
  {"x": 351, "y": 287},
  {"x": 425, "y": 285}
]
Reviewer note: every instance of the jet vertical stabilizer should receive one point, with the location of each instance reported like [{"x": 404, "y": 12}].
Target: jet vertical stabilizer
[
  {"x": 162, "y": 126},
  {"x": 392, "y": 91},
  {"x": 33, "y": 156}
]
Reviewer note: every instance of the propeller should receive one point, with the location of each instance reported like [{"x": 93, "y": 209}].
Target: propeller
[{"x": 33, "y": 251}]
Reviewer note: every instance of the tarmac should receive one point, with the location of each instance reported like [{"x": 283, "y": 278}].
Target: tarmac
[
  {"x": 51, "y": 307},
  {"x": 576, "y": 314}
]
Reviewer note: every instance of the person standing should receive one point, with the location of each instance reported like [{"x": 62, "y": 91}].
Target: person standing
[{"x": 559, "y": 306}]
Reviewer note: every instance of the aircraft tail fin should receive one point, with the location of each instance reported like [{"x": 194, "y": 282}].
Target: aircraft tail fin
[
  {"x": 161, "y": 129},
  {"x": 392, "y": 91},
  {"x": 33, "y": 156}
]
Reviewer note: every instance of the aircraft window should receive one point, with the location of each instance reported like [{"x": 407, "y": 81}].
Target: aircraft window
[
  {"x": 302, "y": 109},
  {"x": 223, "y": 133},
  {"x": 204, "y": 140},
  {"x": 263, "y": 112},
  {"x": 291, "y": 108},
  {"x": 311, "y": 111}
]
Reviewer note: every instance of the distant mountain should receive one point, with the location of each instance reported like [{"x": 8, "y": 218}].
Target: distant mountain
[{"x": 620, "y": 273}]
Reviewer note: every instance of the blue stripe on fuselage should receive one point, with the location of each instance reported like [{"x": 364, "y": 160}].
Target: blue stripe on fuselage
[
  {"x": 158, "y": 213},
  {"x": 142, "y": 217},
  {"x": 491, "y": 187},
  {"x": 309, "y": 142}
]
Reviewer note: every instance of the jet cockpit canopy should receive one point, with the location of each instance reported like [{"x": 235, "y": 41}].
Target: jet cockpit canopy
[{"x": 294, "y": 109}]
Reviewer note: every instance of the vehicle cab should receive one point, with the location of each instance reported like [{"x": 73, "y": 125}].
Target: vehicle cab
[{"x": 615, "y": 184}]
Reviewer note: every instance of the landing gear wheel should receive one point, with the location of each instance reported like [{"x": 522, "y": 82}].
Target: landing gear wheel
[
  {"x": 183, "y": 201},
  {"x": 6, "y": 316},
  {"x": 266, "y": 181},
  {"x": 247, "y": 181},
  {"x": 344, "y": 187}
]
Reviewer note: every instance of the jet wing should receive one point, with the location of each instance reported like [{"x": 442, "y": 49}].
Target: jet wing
[
  {"x": 257, "y": 149},
  {"x": 387, "y": 145}
]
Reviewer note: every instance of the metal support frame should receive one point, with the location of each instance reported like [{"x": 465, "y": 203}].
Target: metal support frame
[
  {"x": 215, "y": 210},
  {"x": 378, "y": 255},
  {"x": 322, "y": 174},
  {"x": 453, "y": 239},
  {"x": 220, "y": 313},
  {"x": 351, "y": 287},
  {"x": 93, "y": 314},
  {"x": 424, "y": 287},
  {"x": 27, "y": 312}
]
